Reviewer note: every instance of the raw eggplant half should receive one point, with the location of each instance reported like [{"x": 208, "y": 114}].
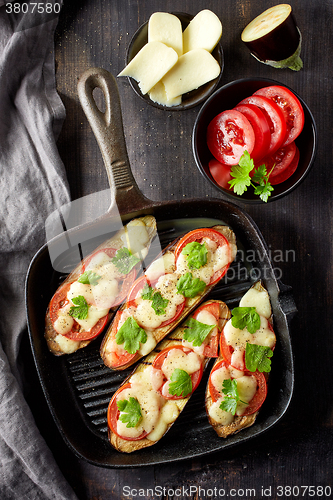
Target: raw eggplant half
[{"x": 274, "y": 38}]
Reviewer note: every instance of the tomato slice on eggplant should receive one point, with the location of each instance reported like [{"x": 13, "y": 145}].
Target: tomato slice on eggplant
[
  {"x": 58, "y": 301},
  {"x": 198, "y": 235},
  {"x": 229, "y": 134},
  {"x": 120, "y": 359},
  {"x": 291, "y": 108},
  {"x": 257, "y": 400},
  {"x": 138, "y": 285},
  {"x": 113, "y": 415},
  {"x": 282, "y": 164},
  {"x": 195, "y": 376},
  {"x": 275, "y": 118},
  {"x": 212, "y": 347},
  {"x": 261, "y": 129}
]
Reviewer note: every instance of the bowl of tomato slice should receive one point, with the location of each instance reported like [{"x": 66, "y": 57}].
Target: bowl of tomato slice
[{"x": 254, "y": 140}]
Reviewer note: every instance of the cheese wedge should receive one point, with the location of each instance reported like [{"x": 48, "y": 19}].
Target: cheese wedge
[
  {"x": 150, "y": 64},
  {"x": 166, "y": 28},
  {"x": 203, "y": 32},
  {"x": 193, "y": 69}
]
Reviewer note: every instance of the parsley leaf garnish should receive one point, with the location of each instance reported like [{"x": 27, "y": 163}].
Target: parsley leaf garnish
[
  {"x": 196, "y": 254},
  {"x": 181, "y": 383},
  {"x": 231, "y": 398},
  {"x": 124, "y": 260},
  {"x": 245, "y": 317},
  {"x": 159, "y": 303},
  {"x": 242, "y": 179},
  {"x": 131, "y": 335},
  {"x": 89, "y": 278},
  {"x": 80, "y": 308},
  {"x": 190, "y": 286},
  {"x": 197, "y": 331},
  {"x": 130, "y": 411},
  {"x": 257, "y": 357}
]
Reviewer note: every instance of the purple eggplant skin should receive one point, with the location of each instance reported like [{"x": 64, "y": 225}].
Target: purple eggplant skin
[{"x": 279, "y": 44}]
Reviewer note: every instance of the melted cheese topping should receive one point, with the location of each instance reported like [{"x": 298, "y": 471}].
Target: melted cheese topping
[
  {"x": 206, "y": 318},
  {"x": 176, "y": 358},
  {"x": 136, "y": 237},
  {"x": 64, "y": 322},
  {"x": 217, "y": 258},
  {"x": 94, "y": 314},
  {"x": 246, "y": 386},
  {"x": 163, "y": 265},
  {"x": 145, "y": 314},
  {"x": 259, "y": 300},
  {"x": 66, "y": 345},
  {"x": 150, "y": 409},
  {"x": 238, "y": 339}
]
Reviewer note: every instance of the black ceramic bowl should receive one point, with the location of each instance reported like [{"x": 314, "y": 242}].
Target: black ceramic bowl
[
  {"x": 189, "y": 100},
  {"x": 229, "y": 96}
]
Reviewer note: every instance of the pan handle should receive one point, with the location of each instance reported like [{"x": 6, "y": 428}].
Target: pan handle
[{"x": 109, "y": 133}]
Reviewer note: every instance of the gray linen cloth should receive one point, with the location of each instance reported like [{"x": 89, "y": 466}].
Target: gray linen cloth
[{"x": 32, "y": 185}]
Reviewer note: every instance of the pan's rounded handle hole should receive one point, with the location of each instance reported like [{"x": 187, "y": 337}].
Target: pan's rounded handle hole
[{"x": 99, "y": 99}]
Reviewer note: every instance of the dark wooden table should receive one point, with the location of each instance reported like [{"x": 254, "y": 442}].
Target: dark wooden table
[{"x": 297, "y": 452}]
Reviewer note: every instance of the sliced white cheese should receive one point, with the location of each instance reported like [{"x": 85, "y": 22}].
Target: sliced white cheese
[
  {"x": 220, "y": 416},
  {"x": 246, "y": 387},
  {"x": 204, "y": 32},
  {"x": 166, "y": 28},
  {"x": 193, "y": 69},
  {"x": 259, "y": 300},
  {"x": 159, "y": 95},
  {"x": 150, "y": 64}
]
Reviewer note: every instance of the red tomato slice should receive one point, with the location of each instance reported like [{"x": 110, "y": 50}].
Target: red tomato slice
[
  {"x": 261, "y": 129},
  {"x": 125, "y": 282},
  {"x": 220, "y": 173},
  {"x": 211, "y": 349},
  {"x": 285, "y": 161},
  {"x": 126, "y": 357},
  {"x": 274, "y": 116},
  {"x": 113, "y": 415},
  {"x": 257, "y": 399},
  {"x": 58, "y": 301},
  {"x": 229, "y": 134},
  {"x": 291, "y": 108},
  {"x": 138, "y": 285},
  {"x": 159, "y": 360},
  {"x": 198, "y": 235}
]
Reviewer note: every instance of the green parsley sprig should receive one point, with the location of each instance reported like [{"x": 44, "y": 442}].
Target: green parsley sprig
[
  {"x": 130, "y": 411},
  {"x": 231, "y": 397},
  {"x": 242, "y": 179},
  {"x": 158, "y": 302},
  {"x": 80, "y": 308}
]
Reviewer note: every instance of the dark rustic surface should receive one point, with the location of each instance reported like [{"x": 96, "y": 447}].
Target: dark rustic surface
[{"x": 298, "y": 450}]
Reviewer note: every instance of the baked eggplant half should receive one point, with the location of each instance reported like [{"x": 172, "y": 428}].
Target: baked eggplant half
[
  {"x": 150, "y": 400},
  {"x": 81, "y": 307},
  {"x": 274, "y": 38},
  {"x": 237, "y": 385},
  {"x": 172, "y": 286}
]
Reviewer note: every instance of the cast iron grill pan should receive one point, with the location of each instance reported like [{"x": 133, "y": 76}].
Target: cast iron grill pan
[{"x": 78, "y": 387}]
